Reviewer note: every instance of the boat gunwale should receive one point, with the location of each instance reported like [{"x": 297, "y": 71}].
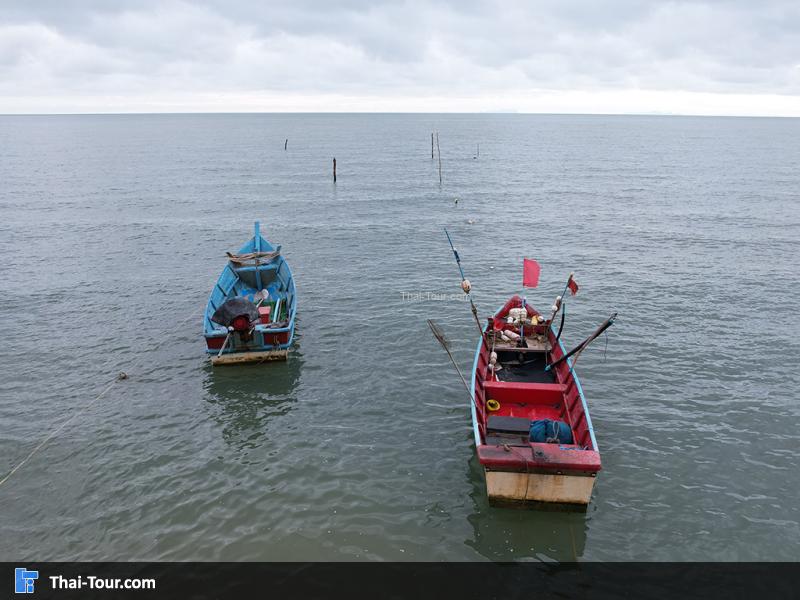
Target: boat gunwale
[{"x": 571, "y": 371}]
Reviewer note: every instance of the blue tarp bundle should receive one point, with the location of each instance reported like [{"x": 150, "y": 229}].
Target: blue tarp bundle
[{"x": 547, "y": 430}]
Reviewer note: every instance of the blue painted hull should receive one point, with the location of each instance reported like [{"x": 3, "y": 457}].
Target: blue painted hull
[{"x": 237, "y": 280}]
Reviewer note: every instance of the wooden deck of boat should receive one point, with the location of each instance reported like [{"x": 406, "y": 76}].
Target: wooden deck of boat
[
  {"x": 239, "y": 358},
  {"x": 536, "y": 343}
]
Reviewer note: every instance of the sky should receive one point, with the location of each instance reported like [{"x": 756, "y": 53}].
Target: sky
[{"x": 712, "y": 57}]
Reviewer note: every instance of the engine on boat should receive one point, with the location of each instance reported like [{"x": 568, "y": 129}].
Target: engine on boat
[
  {"x": 237, "y": 314},
  {"x": 241, "y": 323}
]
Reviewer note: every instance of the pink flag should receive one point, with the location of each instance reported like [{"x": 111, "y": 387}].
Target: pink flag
[{"x": 530, "y": 273}]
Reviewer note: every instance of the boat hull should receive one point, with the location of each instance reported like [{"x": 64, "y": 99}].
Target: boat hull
[
  {"x": 240, "y": 358},
  {"x": 268, "y": 283},
  {"x": 518, "y": 470},
  {"x": 529, "y": 489}
]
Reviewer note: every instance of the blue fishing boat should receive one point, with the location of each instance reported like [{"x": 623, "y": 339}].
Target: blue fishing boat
[{"x": 251, "y": 310}]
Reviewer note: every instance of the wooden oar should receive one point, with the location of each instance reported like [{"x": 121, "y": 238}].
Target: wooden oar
[{"x": 439, "y": 335}]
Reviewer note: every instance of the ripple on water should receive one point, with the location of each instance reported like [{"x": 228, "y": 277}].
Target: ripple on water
[{"x": 359, "y": 447}]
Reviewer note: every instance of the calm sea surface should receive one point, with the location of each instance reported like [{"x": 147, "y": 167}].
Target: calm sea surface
[{"x": 113, "y": 232}]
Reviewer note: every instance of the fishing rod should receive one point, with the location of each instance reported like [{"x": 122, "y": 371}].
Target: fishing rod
[
  {"x": 560, "y": 299},
  {"x": 465, "y": 284},
  {"x": 439, "y": 335},
  {"x": 560, "y": 305},
  {"x": 582, "y": 346},
  {"x": 561, "y": 327}
]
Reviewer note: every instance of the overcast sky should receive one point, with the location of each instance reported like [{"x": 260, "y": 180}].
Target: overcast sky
[{"x": 622, "y": 56}]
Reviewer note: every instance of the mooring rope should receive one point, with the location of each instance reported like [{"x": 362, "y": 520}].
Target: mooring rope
[
  {"x": 119, "y": 377},
  {"x": 527, "y": 466},
  {"x": 54, "y": 432}
]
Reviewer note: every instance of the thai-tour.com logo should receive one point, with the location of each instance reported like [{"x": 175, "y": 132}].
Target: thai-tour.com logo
[{"x": 24, "y": 582}]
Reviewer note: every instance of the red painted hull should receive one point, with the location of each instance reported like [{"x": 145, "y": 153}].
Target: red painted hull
[
  {"x": 555, "y": 396},
  {"x": 274, "y": 339}
]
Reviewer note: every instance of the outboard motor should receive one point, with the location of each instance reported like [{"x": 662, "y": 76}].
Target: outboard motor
[
  {"x": 237, "y": 314},
  {"x": 241, "y": 323}
]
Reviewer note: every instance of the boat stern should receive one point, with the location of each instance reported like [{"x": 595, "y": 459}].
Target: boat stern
[
  {"x": 557, "y": 474},
  {"x": 240, "y": 358},
  {"x": 508, "y": 488}
]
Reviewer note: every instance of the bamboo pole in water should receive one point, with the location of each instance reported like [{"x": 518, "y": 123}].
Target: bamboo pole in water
[
  {"x": 334, "y": 170},
  {"x": 286, "y": 143},
  {"x": 431, "y": 145}
]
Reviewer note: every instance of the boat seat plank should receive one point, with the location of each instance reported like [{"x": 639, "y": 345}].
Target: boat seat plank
[
  {"x": 531, "y": 393},
  {"x": 252, "y": 269},
  {"x": 515, "y": 425}
]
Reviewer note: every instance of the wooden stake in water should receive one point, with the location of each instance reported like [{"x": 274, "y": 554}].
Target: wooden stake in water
[
  {"x": 431, "y": 145},
  {"x": 334, "y": 170},
  {"x": 286, "y": 143}
]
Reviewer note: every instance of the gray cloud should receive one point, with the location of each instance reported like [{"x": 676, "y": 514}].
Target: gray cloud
[{"x": 155, "y": 50}]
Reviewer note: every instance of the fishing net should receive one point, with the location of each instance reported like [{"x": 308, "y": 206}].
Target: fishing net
[{"x": 254, "y": 257}]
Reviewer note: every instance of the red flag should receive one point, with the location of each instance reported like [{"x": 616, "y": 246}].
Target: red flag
[
  {"x": 530, "y": 273},
  {"x": 573, "y": 286}
]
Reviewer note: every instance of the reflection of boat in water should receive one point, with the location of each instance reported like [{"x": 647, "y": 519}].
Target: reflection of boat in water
[
  {"x": 251, "y": 310},
  {"x": 504, "y": 535},
  {"x": 244, "y": 400}
]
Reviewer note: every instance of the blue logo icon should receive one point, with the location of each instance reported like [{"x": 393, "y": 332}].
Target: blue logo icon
[{"x": 23, "y": 580}]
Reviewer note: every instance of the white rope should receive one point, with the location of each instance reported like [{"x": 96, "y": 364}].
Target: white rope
[{"x": 53, "y": 433}]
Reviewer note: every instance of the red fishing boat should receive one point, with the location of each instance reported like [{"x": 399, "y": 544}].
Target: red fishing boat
[{"x": 533, "y": 433}]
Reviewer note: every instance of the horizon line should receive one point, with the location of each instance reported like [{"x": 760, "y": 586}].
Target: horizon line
[{"x": 341, "y": 112}]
